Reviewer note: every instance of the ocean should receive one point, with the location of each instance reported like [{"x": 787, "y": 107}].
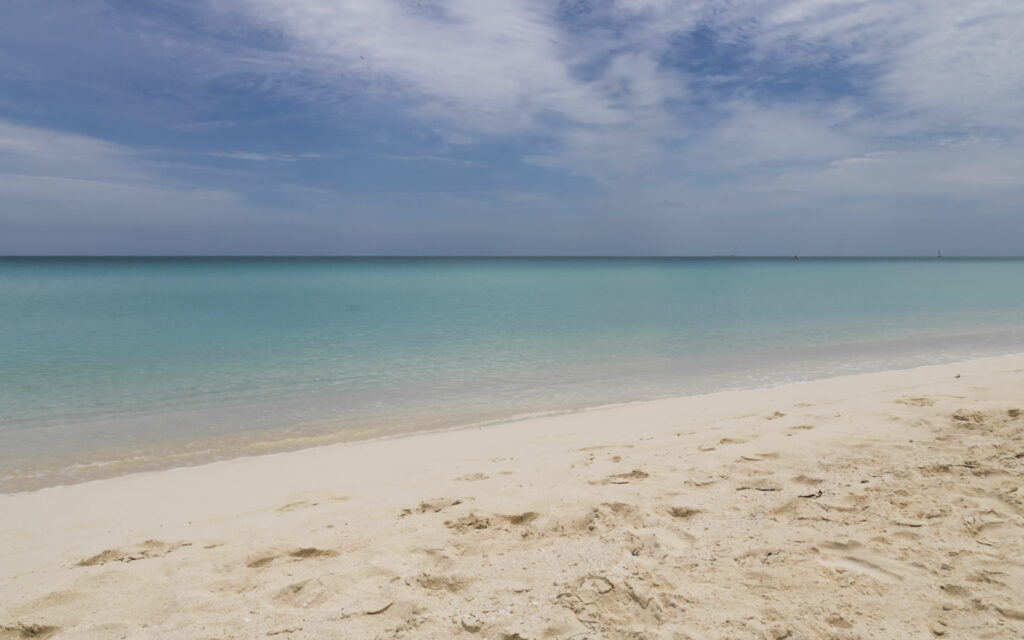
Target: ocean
[{"x": 114, "y": 365}]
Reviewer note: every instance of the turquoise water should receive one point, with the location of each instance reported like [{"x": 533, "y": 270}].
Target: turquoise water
[{"x": 110, "y": 365}]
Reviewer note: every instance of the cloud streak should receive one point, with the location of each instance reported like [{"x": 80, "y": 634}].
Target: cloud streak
[
  {"x": 475, "y": 70},
  {"x": 678, "y": 117}
]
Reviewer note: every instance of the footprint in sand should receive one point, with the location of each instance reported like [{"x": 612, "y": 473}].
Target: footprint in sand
[
  {"x": 955, "y": 590},
  {"x": 259, "y": 563},
  {"x": 623, "y": 478},
  {"x": 969, "y": 419},
  {"x": 472, "y": 522},
  {"x": 801, "y": 427},
  {"x": 992, "y": 527},
  {"x": 759, "y": 457},
  {"x": 295, "y": 506},
  {"x": 682, "y": 513},
  {"x": 21, "y": 630},
  {"x": 732, "y": 441},
  {"x": 760, "y": 485},
  {"x": 373, "y": 595},
  {"x": 520, "y": 518},
  {"x": 303, "y": 594},
  {"x": 303, "y": 504},
  {"x": 144, "y": 551},
  {"x": 296, "y": 554},
  {"x": 451, "y": 584},
  {"x": 1011, "y": 612},
  {"x": 611, "y": 515},
  {"x": 701, "y": 481},
  {"x": 607, "y": 446},
  {"x": 916, "y": 402},
  {"x": 854, "y": 557},
  {"x": 431, "y": 506},
  {"x": 597, "y": 600},
  {"x": 312, "y": 552},
  {"x": 838, "y": 621},
  {"x": 760, "y": 556}
]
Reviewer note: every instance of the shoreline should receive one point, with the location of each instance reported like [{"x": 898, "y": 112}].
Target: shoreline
[
  {"x": 185, "y": 452},
  {"x": 873, "y": 505}
]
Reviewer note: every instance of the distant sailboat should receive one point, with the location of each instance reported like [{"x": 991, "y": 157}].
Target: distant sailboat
[{"x": 940, "y": 254}]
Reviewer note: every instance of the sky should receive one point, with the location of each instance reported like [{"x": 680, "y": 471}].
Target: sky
[{"x": 512, "y": 127}]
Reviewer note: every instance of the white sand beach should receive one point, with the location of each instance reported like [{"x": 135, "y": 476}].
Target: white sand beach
[{"x": 885, "y": 505}]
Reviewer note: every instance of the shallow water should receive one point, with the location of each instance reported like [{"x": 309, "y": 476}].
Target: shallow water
[{"x": 113, "y": 365}]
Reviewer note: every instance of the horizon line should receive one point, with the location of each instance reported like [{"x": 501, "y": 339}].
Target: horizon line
[{"x": 500, "y": 256}]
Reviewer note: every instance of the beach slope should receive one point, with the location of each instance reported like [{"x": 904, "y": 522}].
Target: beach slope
[{"x": 885, "y": 505}]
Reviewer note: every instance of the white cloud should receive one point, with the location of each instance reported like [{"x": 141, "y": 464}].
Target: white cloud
[
  {"x": 935, "y": 63},
  {"x": 32, "y": 150},
  {"x": 483, "y": 67},
  {"x": 756, "y": 134},
  {"x": 473, "y": 71},
  {"x": 265, "y": 156},
  {"x": 605, "y": 93},
  {"x": 56, "y": 174},
  {"x": 977, "y": 171}
]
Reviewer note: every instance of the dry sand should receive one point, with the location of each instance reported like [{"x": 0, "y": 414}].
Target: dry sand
[{"x": 885, "y": 505}]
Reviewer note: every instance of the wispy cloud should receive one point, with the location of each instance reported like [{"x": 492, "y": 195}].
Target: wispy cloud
[
  {"x": 269, "y": 156},
  {"x": 426, "y": 157},
  {"x": 48, "y": 176},
  {"x": 473, "y": 70},
  {"x": 680, "y": 117},
  {"x": 478, "y": 68}
]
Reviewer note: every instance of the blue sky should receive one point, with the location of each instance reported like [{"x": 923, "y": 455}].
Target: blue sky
[{"x": 521, "y": 127}]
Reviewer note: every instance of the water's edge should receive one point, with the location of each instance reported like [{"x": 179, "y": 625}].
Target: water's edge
[
  {"x": 116, "y": 366},
  {"x": 255, "y": 443}
]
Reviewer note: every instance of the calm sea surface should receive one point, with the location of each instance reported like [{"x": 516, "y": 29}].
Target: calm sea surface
[{"x": 115, "y": 365}]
